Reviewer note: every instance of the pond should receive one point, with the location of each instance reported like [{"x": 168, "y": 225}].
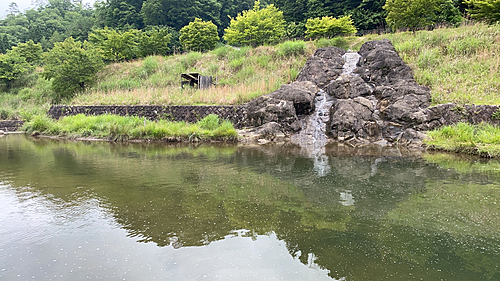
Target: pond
[{"x": 107, "y": 211}]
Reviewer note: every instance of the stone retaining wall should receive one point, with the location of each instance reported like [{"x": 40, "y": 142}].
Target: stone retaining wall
[
  {"x": 189, "y": 113},
  {"x": 10, "y": 125},
  {"x": 449, "y": 114}
]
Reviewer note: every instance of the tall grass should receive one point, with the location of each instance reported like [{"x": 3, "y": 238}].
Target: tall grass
[
  {"x": 460, "y": 65},
  {"x": 118, "y": 128},
  {"x": 482, "y": 139},
  {"x": 26, "y": 102},
  {"x": 242, "y": 74}
]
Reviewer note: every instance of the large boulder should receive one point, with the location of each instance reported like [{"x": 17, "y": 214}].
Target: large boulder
[
  {"x": 353, "y": 120},
  {"x": 382, "y": 78},
  {"x": 324, "y": 66},
  {"x": 300, "y": 93},
  {"x": 346, "y": 87},
  {"x": 381, "y": 65},
  {"x": 283, "y": 106}
]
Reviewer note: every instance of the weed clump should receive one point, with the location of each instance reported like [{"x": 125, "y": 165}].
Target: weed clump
[{"x": 121, "y": 128}]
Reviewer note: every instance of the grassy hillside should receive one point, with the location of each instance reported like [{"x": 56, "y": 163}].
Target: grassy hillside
[
  {"x": 242, "y": 74},
  {"x": 460, "y": 65}
]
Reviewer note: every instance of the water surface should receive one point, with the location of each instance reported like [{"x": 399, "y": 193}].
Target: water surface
[{"x": 78, "y": 211}]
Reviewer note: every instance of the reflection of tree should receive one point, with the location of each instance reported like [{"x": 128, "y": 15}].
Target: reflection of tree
[{"x": 184, "y": 196}]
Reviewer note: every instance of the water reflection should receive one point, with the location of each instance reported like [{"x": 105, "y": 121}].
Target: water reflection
[{"x": 242, "y": 213}]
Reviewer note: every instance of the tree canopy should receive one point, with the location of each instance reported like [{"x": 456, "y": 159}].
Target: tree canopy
[
  {"x": 487, "y": 10},
  {"x": 256, "y": 27},
  {"x": 330, "y": 27},
  {"x": 71, "y": 65},
  {"x": 412, "y": 14},
  {"x": 199, "y": 35}
]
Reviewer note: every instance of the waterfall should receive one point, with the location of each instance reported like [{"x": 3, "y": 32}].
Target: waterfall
[{"x": 312, "y": 138}]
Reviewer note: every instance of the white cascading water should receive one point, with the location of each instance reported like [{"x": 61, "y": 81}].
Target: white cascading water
[{"x": 312, "y": 138}]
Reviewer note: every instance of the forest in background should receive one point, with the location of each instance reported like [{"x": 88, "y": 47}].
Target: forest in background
[{"x": 50, "y": 21}]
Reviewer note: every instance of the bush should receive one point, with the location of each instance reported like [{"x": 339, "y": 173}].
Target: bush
[
  {"x": 256, "y": 27},
  {"x": 330, "y": 27},
  {"x": 72, "y": 67},
  {"x": 199, "y": 36},
  {"x": 210, "y": 122}
]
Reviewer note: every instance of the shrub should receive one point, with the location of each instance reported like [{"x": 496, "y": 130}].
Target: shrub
[
  {"x": 330, "y": 27},
  {"x": 256, "y": 27},
  {"x": 72, "y": 66},
  {"x": 199, "y": 36}
]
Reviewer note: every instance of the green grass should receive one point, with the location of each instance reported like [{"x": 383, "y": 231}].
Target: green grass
[
  {"x": 26, "y": 102},
  {"x": 460, "y": 65},
  {"x": 121, "y": 128},
  {"x": 482, "y": 139},
  {"x": 241, "y": 74}
]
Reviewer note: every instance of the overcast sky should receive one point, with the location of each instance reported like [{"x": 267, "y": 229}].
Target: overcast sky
[{"x": 23, "y": 5}]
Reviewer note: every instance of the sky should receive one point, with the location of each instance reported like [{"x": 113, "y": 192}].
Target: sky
[{"x": 23, "y": 5}]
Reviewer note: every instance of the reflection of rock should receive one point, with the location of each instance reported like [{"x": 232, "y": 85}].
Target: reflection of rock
[{"x": 271, "y": 131}]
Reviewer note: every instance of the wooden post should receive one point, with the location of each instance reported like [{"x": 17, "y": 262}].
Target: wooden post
[{"x": 204, "y": 82}]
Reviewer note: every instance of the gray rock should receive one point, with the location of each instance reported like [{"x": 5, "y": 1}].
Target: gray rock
[
  {"x": 271, "y": 131},
  {"x": 283, "y": 106},
  {"x": 381, "y": 65},
  {"x": 300, "y": 93},
  {"x": 348, "y": 87},
  {"x": 265, "y": 109},
  {"x": 324, "y": 66},
  {"x": 411, "y": 138},
  {"x": 352, "y": 120}
]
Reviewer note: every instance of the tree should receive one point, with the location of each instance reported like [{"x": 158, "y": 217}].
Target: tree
[
  {"x": 199, "y": 35},
  {"x": 369, "y": 15},
  {"x": 30, "y": 51},
  {"x": 447, "y": 12},
  {"x": 256, "y": 27},
  {"x": 487, "y": 10},
  {"x": 71, "y": 65},
  {"x": 330, "y": 27},
  {"x": 12, "y": 67},
  {"x": 154, "y": 42},
  {"x": 116, "y": 45},
  {"x": 412, "y": 14}
]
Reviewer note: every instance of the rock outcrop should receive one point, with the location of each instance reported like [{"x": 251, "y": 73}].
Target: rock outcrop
[
  {"x": 324, "y": 66},
  {"x": 379, "y": 101},
  {"x": 282, "y": 107}
]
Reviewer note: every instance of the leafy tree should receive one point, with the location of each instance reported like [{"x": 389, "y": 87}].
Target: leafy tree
[
  {"x": 487, "y": 10},
  {"x": 72, "y": 66},
  {"x": 12, "y": 67},
  {"x": 152, "y": 12},
  {"x": 330, "y": 27},
  {"x": 294, "y": 30},
  {"x": 199, "y": 35},
  {"x": 30, "y": 51},
  {"x": 293, "y": 10},
  {"x": 116, "y": 45},
  {"x": 154, "y": 42},
  {"x": 256, "y": 27},
  {"x": 447, "y": 12},
  {"x": 412, "y": 14},
  {"x": 369, "y": 15}
]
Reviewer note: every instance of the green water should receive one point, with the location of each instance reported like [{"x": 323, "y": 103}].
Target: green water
[{"x": 100, "y": 211}]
